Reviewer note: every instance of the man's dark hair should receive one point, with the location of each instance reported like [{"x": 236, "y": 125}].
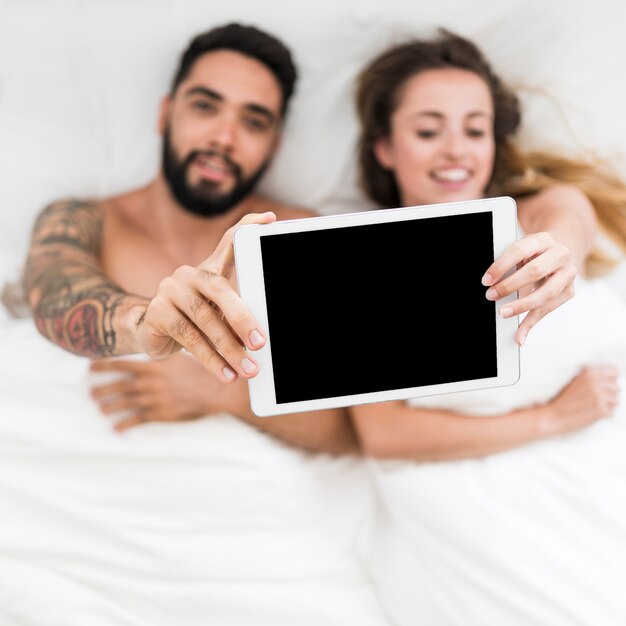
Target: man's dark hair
[{"x": 246, "y": 40}]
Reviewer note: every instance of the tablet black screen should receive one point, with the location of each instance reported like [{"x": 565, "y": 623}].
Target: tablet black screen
[{"x": 379, "y": 307}]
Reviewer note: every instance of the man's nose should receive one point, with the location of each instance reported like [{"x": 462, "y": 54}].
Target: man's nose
[{"x": 224, "y": 132}]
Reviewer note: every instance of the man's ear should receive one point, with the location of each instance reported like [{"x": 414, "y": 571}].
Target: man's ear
[
  {"x": 164, "y": 114},
  {"x": 383, "y": 154}
]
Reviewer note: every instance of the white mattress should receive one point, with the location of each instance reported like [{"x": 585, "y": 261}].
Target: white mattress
[{"x": 212, "y": 521}]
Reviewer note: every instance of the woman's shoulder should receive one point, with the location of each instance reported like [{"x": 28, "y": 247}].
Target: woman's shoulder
[
  {"x": 558, "y": 193},
  {"x": 554, "y": 195}
]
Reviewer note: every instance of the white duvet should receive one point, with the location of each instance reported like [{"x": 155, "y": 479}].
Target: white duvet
[
  {"x": 193, "y": 523},
  {"x": 533, "y": 536}
]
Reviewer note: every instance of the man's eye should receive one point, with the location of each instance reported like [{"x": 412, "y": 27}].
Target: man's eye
[
  {"x": 203, "y": 105},
  {"x": 256, "y": 124},
  {"x": 475, "y": 132},
  {"x": 426, "y": 134}
]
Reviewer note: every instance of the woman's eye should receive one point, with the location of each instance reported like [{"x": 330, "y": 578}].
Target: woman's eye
[
  {"x": 475, "y": 132},
  {"x": 426, "y": 134}
]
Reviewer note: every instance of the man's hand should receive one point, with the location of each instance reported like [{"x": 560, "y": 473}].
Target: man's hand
[
  {"x": 173, "y": 389},
  {"x": 545, "y": 275},
  {"x": 196, "y": 308}
]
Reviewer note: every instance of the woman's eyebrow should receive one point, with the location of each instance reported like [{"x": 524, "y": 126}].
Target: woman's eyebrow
[
  {"x": 439, "y": 115},
  {"x": 436, "y": 114},
  {"x": 480, "y": 114}
]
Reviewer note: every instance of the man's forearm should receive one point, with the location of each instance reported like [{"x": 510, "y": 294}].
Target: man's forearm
[
  {"x": 74, "y": 303},
  {"x": 93, "y": 320}
]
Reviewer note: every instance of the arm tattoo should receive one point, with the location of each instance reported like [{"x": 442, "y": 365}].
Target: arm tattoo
[{"x": 74, "y": 302}]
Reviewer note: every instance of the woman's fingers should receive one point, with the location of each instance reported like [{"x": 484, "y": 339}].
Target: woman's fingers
[
  {"x": 537, "y": 314},
  {"x": 534, "y": 272},
  {"x": 518, "y": 252},
  {"x": 545, "y": 275}
]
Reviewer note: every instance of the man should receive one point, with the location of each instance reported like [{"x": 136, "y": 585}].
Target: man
[{"x": 95, "y": 266}]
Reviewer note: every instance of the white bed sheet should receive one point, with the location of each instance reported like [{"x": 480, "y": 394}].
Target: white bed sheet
[
  {"x": 532, "y": 536},
  {"x": 89, "y": 520},
  {"x": 205, "y": 521}
]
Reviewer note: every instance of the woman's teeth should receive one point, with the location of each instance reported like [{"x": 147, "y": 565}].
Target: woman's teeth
[{"x": 452, "y": 175}]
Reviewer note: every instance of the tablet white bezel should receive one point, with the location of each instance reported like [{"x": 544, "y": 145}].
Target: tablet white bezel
[{"x": 252, "y": 290}]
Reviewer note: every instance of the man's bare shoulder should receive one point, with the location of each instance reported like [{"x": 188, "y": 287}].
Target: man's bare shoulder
[
  {"x": 77, "y": 222},
  {"x": 65, "y": 219},
  {"x": 70, "y": 206},
  {"x": 283, "y": 211}
]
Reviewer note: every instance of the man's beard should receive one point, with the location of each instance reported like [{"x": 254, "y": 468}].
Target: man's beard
[{"x": 204, "y": 199}]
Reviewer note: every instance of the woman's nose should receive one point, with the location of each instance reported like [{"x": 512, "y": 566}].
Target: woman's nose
[{"x": 455, "y": 144}]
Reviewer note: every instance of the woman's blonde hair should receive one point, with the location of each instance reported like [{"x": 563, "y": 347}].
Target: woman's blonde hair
[
  {"x": 521, "y": 174},
  {"x": 379, "y": 91}
]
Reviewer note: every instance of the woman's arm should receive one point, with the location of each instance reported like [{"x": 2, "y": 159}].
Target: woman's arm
[
  {"x": 393, "y": 430},
  {"x": 567, "y": 214},
  {"x": 562, "y": 227}
]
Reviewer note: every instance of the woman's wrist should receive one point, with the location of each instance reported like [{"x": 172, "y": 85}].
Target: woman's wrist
[{"x": 548, "y": 422}]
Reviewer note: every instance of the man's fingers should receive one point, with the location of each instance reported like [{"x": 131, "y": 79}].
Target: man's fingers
[
  {"x": 125, "y": 403},
  {"x": 208, "y": 319},
  {"x": 183, "y": 313},
  {"x": 194, "y": 340},
  {"x": 119, "y": 365},
  {"x": 126, "y": 386},
  {"x": 129, "y": 422},
  {"x": 222, "y": 259},
  {"x": 217, "y": 289}
]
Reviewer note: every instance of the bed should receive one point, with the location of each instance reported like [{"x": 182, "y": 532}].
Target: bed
[{"x": 212, "y": 521}]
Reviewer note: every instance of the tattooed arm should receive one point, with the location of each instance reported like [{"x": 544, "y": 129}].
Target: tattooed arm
[
  {"x": 78, "y": 307},
  {"x": 74, "y": 303}
]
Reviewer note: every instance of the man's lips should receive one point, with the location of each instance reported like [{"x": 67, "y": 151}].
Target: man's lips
[{"x": 214, "y": 167}]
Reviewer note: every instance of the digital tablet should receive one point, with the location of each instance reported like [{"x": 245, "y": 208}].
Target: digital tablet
[{"x": 376, "y": 306}]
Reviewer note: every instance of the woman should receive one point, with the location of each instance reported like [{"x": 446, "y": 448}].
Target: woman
[{"x": 490, "y": 540}]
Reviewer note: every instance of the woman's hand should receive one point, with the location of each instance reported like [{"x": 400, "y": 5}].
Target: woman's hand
[
  {"x": 173, "y": 389},
  {"x": 590, "y": 396},
  {"x": 544, "y": 277}
]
